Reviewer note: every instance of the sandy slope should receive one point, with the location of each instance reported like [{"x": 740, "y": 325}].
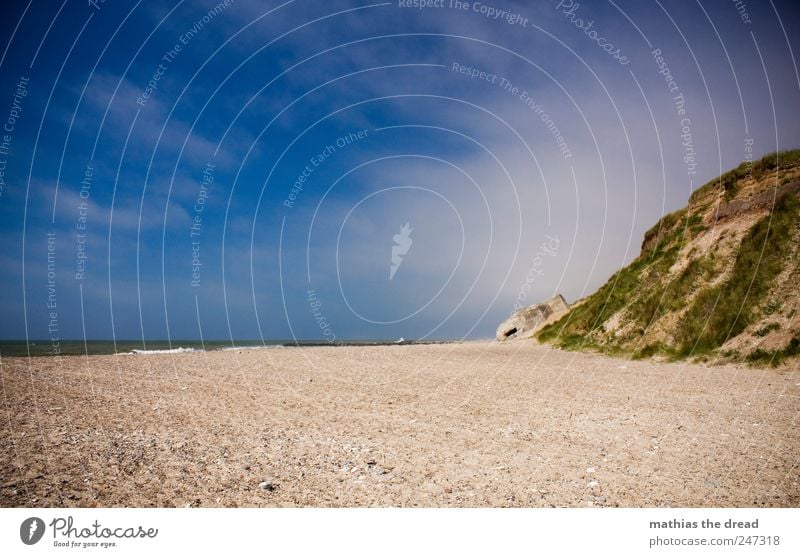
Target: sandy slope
[{"x": 474, "y": 424}]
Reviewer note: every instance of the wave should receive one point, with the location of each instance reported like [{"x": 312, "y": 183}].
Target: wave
[
  {"x": 166, "y": 351},
  {"x": 237, "y": 348}
]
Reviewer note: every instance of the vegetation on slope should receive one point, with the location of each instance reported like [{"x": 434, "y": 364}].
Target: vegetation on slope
[
  {"x": 681, "y": 304},
  {"x": 774, "y": 162},
  {"x": 724, "y": 311}
]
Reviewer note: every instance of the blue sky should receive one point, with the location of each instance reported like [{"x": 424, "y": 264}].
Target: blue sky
[{"x": 250, "y": 183}]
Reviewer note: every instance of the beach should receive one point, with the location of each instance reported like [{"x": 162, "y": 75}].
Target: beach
[{"x": 470, "y": 424}]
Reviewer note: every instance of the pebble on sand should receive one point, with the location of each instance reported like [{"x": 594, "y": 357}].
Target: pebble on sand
[{"x": 268, "y": 486}]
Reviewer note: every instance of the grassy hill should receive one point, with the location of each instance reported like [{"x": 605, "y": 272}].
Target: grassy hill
[{"x": 718, "y": 279}]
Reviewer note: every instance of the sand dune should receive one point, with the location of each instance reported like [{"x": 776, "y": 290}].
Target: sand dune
[{"x": 473, "y": 424}]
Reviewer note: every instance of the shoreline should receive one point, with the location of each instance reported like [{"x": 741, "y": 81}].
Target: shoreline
[{"x": 19, "y": 349}]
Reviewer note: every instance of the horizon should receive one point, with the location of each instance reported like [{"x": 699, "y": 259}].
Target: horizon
[{"x": 360, "y": 171}]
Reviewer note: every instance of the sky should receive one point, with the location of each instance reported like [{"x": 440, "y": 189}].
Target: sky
[{"x": 349, "y": 170}]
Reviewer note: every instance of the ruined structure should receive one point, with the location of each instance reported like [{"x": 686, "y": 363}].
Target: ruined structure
[{"x": 525, "y": 322}]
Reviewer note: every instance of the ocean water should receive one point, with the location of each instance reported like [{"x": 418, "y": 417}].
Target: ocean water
[{"x": 12, "y": 348}]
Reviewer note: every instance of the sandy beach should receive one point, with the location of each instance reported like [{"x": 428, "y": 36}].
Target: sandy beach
[{"x": 465, "y": 425}]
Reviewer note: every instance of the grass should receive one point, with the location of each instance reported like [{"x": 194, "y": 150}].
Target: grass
[
  {"x": 576, "y": 329},
  {"x": 724, "y": 311},
  {"x": 673, "y": 296},
  {"x": 729, "y": 181},
  {"x": 637, "y": 286},
  {"x": 665, "y": 225},
  {"x": 775, "y": 357},
  {"x": 655, "y": 349},
  {"x": 647, "y": 292}
]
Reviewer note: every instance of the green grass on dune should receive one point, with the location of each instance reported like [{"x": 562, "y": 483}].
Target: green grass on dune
[
  {"x": 647, "y": 294},
  {"x": 638, "y": 287},
  {"x": 776, "y": 357},
  {"x": 729, "y": 181},
  {"x": 724, "y": 311}
]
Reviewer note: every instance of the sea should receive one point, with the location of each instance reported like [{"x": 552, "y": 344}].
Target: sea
[{"x": 15, "y": 348}]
